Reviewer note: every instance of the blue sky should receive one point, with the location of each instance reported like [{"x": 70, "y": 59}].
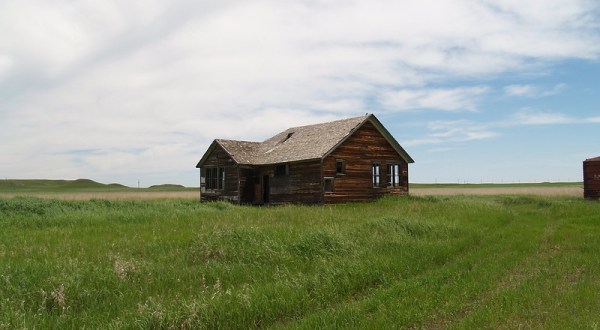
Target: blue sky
[
  {"x": 476, "y": 91},
  {"x": 525, "y": 129}
]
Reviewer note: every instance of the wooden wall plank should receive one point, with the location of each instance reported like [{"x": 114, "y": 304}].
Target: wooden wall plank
[
  {"x": 359, "y": 152},
  {"x": 591, "y": 179}
]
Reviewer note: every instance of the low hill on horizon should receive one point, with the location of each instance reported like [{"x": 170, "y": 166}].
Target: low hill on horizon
[
  {"x": 52, "y": 185},
  {"x": 49, "y": 185},
  {"x": 167, "y": 186}
]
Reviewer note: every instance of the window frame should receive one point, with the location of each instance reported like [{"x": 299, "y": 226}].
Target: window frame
[
  {"x": 214, "y": 178},
  {"x": 376, "y": 174},
  {"x": 221, "y": 178},
  {"x": 394, "y": 175}
]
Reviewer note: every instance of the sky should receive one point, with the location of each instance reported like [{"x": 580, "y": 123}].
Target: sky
[{"x": 121, "y": 91}]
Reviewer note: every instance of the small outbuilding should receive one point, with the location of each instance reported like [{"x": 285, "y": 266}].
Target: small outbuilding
[
  {"x": 591, "y": 178},
  {"x": 348, "y": 160}
]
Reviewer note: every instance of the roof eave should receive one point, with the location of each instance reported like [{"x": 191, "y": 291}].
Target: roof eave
[
  {"x": 210, "y": 150},
  {"x": 206, "y": 154},
  {"x": 390, "y": 138}
]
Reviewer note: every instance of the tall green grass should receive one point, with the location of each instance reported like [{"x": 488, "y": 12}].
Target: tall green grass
[{"x": 457, "y": 262}]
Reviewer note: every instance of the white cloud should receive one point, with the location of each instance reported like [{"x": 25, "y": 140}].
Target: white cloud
[
  {"x": 134, "y": 75},
  {"x": 520, "y": 90},
  {"x": 6, "y": 64},
  {"x": 531, "y": 117},
  {"x": 449, "y": 99},
  {"x": 533, "y": 91},
  {"x": 453, "y": 131},
  {"x": 593, "y": 120}
]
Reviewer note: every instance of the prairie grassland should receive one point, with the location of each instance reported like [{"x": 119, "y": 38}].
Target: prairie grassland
[
  {"x": 194, "y": 195},
  {"x": 99, "y": 191},
  {"x": 498, "y": 190},
  {"x": 408, "y": 262}
]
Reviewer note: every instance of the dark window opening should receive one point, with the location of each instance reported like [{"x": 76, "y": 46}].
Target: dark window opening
[
  {"x": 282, "y": 170},
  {"x": 328, "y": 185},
  {"x": 215, "y": 178},
  {"x": 393, "y": 175},
  {"x": 376, "y": 175},
  {"x": 340, "y": 166}
]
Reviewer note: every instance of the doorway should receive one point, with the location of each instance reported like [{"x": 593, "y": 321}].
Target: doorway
[{"x": 266, "y": 191}]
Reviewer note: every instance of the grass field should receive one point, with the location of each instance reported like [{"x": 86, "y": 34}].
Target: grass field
[
  {"x": 573, "y": 189},
  {"x": 408, "y": 262}
]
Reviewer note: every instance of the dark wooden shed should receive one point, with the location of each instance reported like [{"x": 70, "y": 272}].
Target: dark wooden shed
[
  {"x": 349, "y": 160},
  {"x": 591, "y": 178}
]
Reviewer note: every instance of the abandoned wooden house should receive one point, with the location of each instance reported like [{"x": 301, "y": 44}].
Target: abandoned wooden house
[
  {"x": 349, "y": 160},
  {"x": 591, "y": 178}
]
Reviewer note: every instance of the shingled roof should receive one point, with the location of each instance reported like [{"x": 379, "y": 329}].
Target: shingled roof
[{"x": 300, "y": 143}]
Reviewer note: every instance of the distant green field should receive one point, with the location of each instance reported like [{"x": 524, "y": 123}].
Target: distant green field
[{"x": 458, "y": 262}]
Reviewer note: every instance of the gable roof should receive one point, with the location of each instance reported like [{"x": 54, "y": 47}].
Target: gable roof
[
  {"x": 301, "y": 143},
  {"x": 596, "y": 159}
]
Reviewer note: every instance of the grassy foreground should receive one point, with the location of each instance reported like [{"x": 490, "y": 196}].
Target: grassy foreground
[{"x": 424, "y": 262}]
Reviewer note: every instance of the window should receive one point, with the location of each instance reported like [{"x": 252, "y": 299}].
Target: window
[
  {"x": 215, "y": 178},
  {"x": 340, "y": 166},
  {"x": 328, "y": 185},
  {"x": 211, "y": 174},
  {"x": 393, "y": 175},
  {"x": 282, "y": 170},
  {"x": 221, "y": 177},
  {"x": 376, "y": 174}
]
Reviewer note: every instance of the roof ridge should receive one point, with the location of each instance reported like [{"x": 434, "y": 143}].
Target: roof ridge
[
  {"x": 325, "y": 123},
  {"x": 231, "y": 140}
]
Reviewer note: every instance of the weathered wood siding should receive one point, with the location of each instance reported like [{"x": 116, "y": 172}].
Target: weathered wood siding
[
  {"x": 359, "y": 152},
  {"x": 591, "y": 179},
  {"x": 302, "y": 184},
  {"x": 218, "y": 157}
]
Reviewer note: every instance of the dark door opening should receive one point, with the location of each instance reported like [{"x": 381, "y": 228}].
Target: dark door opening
[{"x": 266, "y": 190}]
